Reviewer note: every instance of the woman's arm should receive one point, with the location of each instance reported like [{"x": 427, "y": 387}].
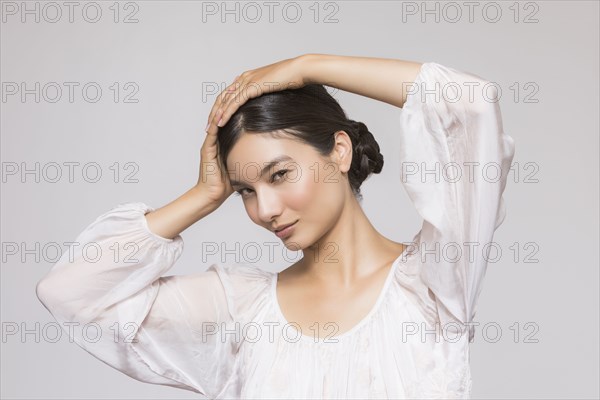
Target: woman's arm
[
  {"x": 377, "y": 78},
  {"x": 151, "y": 327},
  {"x": 175, "y": 217}
]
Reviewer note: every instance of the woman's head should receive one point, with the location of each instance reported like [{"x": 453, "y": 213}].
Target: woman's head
[{"x": 323, "y": 159}]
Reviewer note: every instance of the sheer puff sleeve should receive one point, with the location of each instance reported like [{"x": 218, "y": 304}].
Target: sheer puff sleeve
[
  {"x": 109, "y": 295},
  {"x": 455, "y": 160}
]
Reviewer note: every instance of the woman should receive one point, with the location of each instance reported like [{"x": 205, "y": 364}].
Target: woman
[{"x": 359, "y": 315}]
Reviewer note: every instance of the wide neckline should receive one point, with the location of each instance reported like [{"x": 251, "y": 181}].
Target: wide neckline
[{"x": 359, "y": 324}]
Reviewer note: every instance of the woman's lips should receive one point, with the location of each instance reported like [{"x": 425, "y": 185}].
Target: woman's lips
[{"x": 285, "y": 232}]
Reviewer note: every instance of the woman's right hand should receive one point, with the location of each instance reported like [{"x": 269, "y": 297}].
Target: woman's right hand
[{"x": 213, "y": 182}]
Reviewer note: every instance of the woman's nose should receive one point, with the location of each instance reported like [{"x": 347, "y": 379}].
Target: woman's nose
[{"x": 269, "y": 204}]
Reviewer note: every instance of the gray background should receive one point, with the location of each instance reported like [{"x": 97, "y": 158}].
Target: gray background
[{"x": 172, "y": 55}]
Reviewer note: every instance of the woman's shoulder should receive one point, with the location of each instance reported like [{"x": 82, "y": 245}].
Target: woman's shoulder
[
  {"x": 241, "y": 271},
  {"x": 246, "y": 287}
]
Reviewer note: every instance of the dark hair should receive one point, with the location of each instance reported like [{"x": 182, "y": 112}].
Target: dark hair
[{"x": 311, "y": 115}]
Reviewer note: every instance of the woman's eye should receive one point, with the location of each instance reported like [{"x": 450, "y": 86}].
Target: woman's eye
[
  {"x": 240, "y": 192},
  {"x": 244, "y": 192},
  {"x": 278, "y": 174}
]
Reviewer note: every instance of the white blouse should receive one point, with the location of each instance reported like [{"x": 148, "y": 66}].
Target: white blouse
[{"x": 221, "y": 332}]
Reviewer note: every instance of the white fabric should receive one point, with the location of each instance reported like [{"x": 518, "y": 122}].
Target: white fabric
[{"x": 172, "y": 314}]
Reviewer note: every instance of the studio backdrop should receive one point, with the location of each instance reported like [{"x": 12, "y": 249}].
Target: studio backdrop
[{"x": 105, "y": 102}]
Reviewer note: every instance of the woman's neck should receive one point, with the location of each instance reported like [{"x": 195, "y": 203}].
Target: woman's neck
[{"x": 351, "y": 250}]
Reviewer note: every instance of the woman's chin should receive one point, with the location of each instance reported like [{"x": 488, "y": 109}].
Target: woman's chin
[{"x": 292, "y": 245}]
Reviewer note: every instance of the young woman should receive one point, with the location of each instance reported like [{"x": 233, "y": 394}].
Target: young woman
[{"x": 359, "y": 315}]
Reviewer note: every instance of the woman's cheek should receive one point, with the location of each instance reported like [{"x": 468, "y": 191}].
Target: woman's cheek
[
  {"x": 313, "y": 197},
  {"x": 251, "y": 211},
  {"x": 300, "y": 193}
]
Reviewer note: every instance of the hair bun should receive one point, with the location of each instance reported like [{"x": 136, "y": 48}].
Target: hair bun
[{"x": 366, "y": 158}]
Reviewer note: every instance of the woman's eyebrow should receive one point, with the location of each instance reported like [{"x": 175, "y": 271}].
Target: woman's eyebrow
[{"x": 266, "y": 167}]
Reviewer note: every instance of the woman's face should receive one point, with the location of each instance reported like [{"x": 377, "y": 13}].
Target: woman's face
[{"x": 300, "y": 187}]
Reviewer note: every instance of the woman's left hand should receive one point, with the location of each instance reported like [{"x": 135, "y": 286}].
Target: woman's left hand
[{"x": 282, "y": 75}]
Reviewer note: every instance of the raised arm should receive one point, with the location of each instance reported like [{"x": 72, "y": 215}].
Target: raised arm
[
  {"x": 455, "y": 161},
  {"x": 387, "y": 80},
  {"x": 377, "y": 78},
  {"x": 172, "y": 219},
  {"x": 111, "y": 297}
]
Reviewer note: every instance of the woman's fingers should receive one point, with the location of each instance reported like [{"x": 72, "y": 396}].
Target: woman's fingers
[
  {"x": 237, "y": 99},
  {"x": 251, "y": 84},
  {"x": 211, "y": 124},
  {"x": 248, "y": 89},
  {"x": 231, "y": 97},
  {"x": 212, "y": 115},
  {"x": 216, "y": 110},
  {"x": 213, "y": 118}
]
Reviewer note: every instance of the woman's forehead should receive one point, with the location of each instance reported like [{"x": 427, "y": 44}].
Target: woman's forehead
[{"x": 262, "y": 148}]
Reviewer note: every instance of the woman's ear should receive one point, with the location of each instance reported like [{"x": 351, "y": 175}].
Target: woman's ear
[{"x": 342, "y": 151}]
